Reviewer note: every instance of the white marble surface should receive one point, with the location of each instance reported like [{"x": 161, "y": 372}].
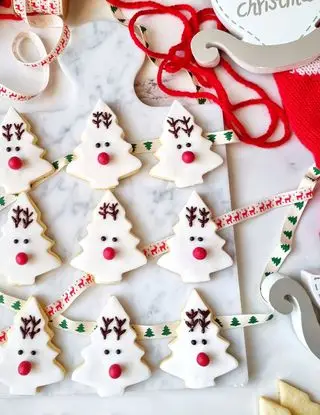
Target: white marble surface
[{"x": 273, "y": 350}]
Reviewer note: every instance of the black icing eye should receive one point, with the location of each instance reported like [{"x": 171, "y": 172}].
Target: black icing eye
[
  {"x": 98, "y": 145},
  {"x": 26, "y": 241},
  {"x": 106, "y": 351},
  {"x": 114, "y": 239},
  {"x": 20, "y": 352},
  {"x": 193, "y": 342},
  {"x": 204, "y": 341},
  {"x": 179, "y": 146},
  {"x": 118, "y": 351},
  {"x": 8, "y": 149},
  {"x": 192, "y": 238},
  {"x": 107, "y": 144},
  {"x": 33, "y": 352},
  {"x": 200, "y": 239},
  {"x": 188, "y": 145},
  {"x": 16, "y": 241},
  {"x": 103, "y": 238},
  {"x": 17, "y": 148}
]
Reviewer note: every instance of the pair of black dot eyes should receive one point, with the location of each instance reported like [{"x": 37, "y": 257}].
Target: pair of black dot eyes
[
  {"x": 194, "y": 342},
  {"x": 33, "y": 352},
  {"x": 98, "y": 145},
  {"x": 11, "y": 148},
  {"x": 192, "y": 238},
  {"x": 179, "y": 146},
  {"x": 104, "y": 238},
  {"x": 118, "y": 351},
  {"x": 25, "y": 241}
]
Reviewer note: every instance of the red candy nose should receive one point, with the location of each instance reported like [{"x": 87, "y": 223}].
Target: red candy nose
[
  {"x": 203, "y": 359},
  {"x": 22, "y": 258},
  {"x": 188, "y": 157},
  {"x": 24, "y": 368},
  {"x": 103, "y": 158},
  {"x": 199, "y": 253},
  {"x": 109, "y": 253},
  {"x": 115, "y": 371},
  {"x": 15, "y": 163}
]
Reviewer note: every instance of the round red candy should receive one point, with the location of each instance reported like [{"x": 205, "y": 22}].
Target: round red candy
[
  {"x": 188, "y": 157},
  {"x": 15, "y": 163},
  {"x": 203, "y": 359},
  {"x": 103, "y": 158},
  {"x": 24, "y": 368},
  {"x": 22, "y": 258},
  {"x": 115, "y": 371},
  {"x": 199, "y": 253},
  {"x": 109, "y": 253}
]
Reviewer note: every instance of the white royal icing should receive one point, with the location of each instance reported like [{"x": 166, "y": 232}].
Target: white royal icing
[
  {"x": 17, "y": 141},
  {"x": 109, "y": 229},
  {"x": 113, "y": 333},
  {"x": 24, "y": 233},
  {"x": 197, "y": 333},
  {"x": 195, "y": 221},
  {"x": 29, "y": 342},
  {"x": 181, "y": 135},
  {"x": 103, "y": 135}
]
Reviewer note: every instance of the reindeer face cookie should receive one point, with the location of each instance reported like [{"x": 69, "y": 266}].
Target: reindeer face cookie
[
  {"x": 112, "y": 362},
  {"x": 195, "y": 251},
  {"x": 184, "y": 155},
  {"x": 27, "y": 359},
  {"x": 26, "y": 251},
  {"x": 21, "y": 161},
  {"x": 199, "y": 353}
]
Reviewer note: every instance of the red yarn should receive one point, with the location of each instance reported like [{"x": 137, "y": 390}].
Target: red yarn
[{"x": 180, "y": 57}]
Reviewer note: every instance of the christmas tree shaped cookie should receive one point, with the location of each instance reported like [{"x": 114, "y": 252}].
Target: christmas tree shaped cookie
[
  {"x": 27, "y": 359},
  {"x": 112, "y": 361},
  {"x": 103, "y": 157},
  {"x": 25, "y": 249},
  {"x": 109, "y": 249},
  {"x": 195, "y": 251},
  {"x": 184, "y": 155},
  {"x": 198, "y": 353},
  {"x": 21, "y": 160}
]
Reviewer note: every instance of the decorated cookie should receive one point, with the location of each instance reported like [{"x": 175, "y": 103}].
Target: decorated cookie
[
  {"x": 184, "y": 155},
  {"x": 109, "y": 249},
  {"x": 21, "y": 160},
  {"x": 297, "y": 401},
  {"x": 25, "y": 249},
  {"x": 103, "y": 157},
  {"x": 112, "y": 361},
  {"x": 268, "y": 407},
  {"x": 198, "y": 353},
  {"x": 27, "y": 359},
  {"x": 195, "y": 251}
]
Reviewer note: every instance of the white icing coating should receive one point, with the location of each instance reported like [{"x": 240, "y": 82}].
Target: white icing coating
[
  {"x": 183, "y": 360},
  {"x": 188, "y": 137},
  {"x": 180, "y": 258},
  {"x": 31, "y": 241},
  {"x": 127, "y": 256},
  {"x": 17, "y": 141},
  {"x": 94, "y": 371},
  {"x": 45, "y": 370},
  {"x": 109, "y": 138}
]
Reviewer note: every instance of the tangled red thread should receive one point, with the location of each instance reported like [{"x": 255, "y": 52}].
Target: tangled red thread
[{"x": 180, "y": 57}]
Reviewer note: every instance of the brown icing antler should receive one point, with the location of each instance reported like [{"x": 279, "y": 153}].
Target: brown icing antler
[
  {"x": 97, "y": 118},
  {"x": 192, "y": 320},
  {"x": 192, "y": 215},
  {"x": 103, "y": 210},
  {"x": 17, "y": 216},
  {"x": 203, "y": 322},
  {"x": 118, "y": 328},
  {"x": 106, "y": 330},
  {"x": 7, "y": 132},
  {"x": 19, "y": 130},
  {"x": 29, "y": 326},
  {"x": 22, "y": 216},
  {"x": 27, "y": 220},
  {"x": 174, "y": 127},
  {"x": 107, "y": 119},
  {"x": 187, "y": 128},
  {"x": 109, "y": 209},
  {"x": 204, "y": 217}
]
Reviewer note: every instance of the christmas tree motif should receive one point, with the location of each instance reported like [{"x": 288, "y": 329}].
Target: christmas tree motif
[
  {"x": 109, "y": 249},
  {"x": 80, "y": 328},
  {"x": 112, "y": 361},
  {"x": 21, "y": 160},
  {"x": 26, "y": 250},
  {"x": 27, "y": 359},
  {"x": 149, "y": 332},
  {"x": 195, "y": 251},
  {"x": 166, "y": 331},
  {"x": 253, "y": 320},
  {"x": 235, "y": 322},
  {"x": 199, "y": 353},
  {"x": 185, "y": 155},
  {"x": 103, "y": 157}
]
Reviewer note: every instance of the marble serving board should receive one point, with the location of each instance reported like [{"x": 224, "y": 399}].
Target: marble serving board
[{"x": 103, "y": 63}]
